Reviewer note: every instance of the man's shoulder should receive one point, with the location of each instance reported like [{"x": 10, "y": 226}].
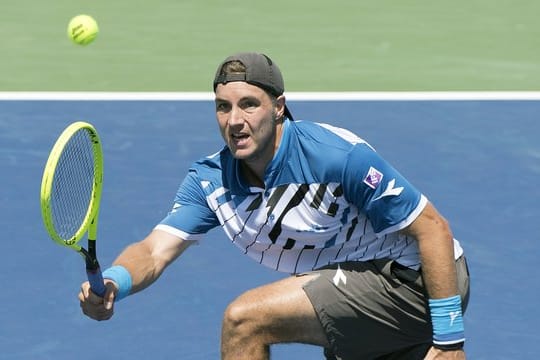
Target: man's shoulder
[
  {"x": 215, "y": 159},
  {"x": 214, "y": 164},
  {"x": 328, "y": 134}
]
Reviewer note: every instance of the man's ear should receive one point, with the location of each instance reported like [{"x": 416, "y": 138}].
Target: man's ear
[{"x": 280, "y": 107}]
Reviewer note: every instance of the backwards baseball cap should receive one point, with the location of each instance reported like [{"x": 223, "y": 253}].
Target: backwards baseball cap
[{"x": 261, "y": 71}]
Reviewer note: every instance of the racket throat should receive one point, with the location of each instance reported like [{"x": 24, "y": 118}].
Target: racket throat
[{"x": 90, "y": 257}]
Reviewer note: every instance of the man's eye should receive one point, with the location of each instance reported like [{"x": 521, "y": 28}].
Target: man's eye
[
  {"x": 249, "y": 105},
  {"x": 222, "y": 107}
]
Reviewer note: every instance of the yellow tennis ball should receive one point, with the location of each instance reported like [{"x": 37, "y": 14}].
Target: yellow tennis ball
[{"x": 82, "y": 29}]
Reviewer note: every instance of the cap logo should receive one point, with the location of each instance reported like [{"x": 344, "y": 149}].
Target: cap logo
[{"x": 373, "y": 178}]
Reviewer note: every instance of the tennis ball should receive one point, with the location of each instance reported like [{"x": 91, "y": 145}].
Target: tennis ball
[{"x": 82, "y": 29}]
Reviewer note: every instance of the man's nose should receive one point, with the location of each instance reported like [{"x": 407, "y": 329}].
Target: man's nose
[{"x": 236, "y": 116}]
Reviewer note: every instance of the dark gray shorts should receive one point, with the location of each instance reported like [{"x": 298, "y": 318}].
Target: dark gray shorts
[{"x": 380, "y": 313}]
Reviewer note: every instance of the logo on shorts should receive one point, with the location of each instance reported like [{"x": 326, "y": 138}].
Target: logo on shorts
[
  {"x": 339, "y": 277},
  {"x": 373, "y": 178}
]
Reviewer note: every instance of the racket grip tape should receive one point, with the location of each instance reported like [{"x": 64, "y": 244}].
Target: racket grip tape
[{"x": 97, "y": 285}]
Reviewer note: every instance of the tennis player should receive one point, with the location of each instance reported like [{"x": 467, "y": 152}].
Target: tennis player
[{"x": 376, "y": 272}]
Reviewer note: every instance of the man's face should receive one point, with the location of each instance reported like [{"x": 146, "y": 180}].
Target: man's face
[{"x": 247, "y": 119}]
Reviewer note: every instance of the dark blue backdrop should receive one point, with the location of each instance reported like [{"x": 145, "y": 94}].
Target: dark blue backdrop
[{"x": 479, "y": 162}]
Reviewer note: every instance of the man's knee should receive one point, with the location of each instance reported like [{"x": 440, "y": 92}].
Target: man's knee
[
  {"x": 242, "y": 331},
  {"x": 241, "y": 317}
]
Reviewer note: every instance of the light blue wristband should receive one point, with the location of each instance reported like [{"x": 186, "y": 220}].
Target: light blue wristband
[
  {"x": 447, "y": 321},
  {"x": 121, "y": 277}
]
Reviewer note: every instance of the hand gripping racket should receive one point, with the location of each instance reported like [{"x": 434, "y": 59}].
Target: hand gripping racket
[{"x": 71, "y": 192}]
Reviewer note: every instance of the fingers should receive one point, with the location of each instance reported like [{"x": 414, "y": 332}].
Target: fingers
[
  {"x": 95, "y": 307},
  {"x": 436, "y": 354},
  {"x": 108, "y": 298},
  {"x": 431, "y": 354}
]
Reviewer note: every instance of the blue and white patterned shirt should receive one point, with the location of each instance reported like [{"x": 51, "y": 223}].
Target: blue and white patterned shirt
[{"x": 328, "y": 197}]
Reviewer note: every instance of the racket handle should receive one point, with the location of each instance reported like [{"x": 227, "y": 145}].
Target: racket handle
[{"x": 97, "y": 285}]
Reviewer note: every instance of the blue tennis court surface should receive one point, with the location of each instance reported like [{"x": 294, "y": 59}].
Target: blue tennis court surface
[{"x": 478, "y": 161}]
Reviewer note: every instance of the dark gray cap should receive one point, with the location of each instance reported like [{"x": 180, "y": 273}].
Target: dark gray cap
[{"x": 261, "y": 71}]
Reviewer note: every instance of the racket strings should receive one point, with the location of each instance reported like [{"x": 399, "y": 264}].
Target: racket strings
[{"x": 73, "y": 185}]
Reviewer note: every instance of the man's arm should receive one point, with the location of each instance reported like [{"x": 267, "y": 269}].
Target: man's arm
[
  {"x": 144, "y": 261},
  {"x": 436, "y": 246}
]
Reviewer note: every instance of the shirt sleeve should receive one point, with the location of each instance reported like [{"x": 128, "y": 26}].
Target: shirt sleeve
[
  {"x": 190, "y": 217},
  {"x": 390, "y": 202}
]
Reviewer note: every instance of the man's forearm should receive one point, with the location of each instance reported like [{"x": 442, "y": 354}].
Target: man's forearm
[
  {"x": 144, "y": 269},
  {"x": 438, "y": 266}
]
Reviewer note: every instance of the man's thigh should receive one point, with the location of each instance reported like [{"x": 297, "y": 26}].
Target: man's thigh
[
  {"x": 281, "y": 312},
  {"x": 367, "y": 311}
]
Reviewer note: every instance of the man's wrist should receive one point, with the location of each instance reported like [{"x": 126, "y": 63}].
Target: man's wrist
[
  {"x": 449, "y": 347},
  {"x": 122, "y": 278},
  {"x": 447, "y": 321}
]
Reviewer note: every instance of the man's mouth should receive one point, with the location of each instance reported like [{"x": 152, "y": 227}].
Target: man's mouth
[{"x": 239, "y": 138}]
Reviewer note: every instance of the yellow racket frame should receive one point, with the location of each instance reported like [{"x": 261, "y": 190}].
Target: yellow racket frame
[{"x": 90, "y": 220}]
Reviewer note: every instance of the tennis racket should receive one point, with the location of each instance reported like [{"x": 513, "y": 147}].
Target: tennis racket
[{"x": 71, "y": 192}]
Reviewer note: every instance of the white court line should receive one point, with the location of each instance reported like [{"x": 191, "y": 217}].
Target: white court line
[{"x": 295, "y": 96}]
